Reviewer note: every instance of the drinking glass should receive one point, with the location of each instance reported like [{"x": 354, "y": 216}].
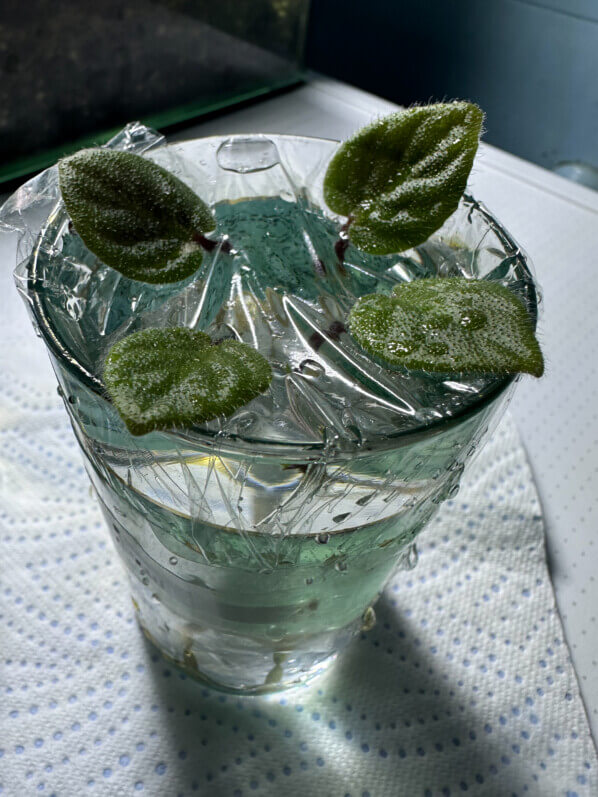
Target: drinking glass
[{"x": 256, "y": 546}]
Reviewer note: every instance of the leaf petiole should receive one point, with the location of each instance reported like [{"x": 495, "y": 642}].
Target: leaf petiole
[
  {"x": 340, "y": 247},
  {"x": 208, "y": 244}
]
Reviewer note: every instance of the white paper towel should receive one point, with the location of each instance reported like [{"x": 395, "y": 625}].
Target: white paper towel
[{"x": 464, "y": 685}]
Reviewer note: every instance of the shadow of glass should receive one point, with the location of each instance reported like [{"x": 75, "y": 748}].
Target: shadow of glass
[{"x": 385, "y": 720}]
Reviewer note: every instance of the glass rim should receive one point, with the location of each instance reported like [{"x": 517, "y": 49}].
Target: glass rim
[{"x": 236, "y": 443}]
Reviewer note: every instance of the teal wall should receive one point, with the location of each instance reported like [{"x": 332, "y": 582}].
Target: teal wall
[{"x": 531, "y": 64}]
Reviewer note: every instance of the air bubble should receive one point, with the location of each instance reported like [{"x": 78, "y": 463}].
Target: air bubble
[
  {"x": 322, "y": 538},
  {"x": 365, "y": 499},
  {"x": 340, "y": 518},
  {"x": 173, "y": 560},
  {"x": 340, "y": 565}
]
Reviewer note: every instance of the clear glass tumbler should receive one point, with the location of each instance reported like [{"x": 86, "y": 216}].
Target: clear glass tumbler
[{"x": 256, "y": 546}]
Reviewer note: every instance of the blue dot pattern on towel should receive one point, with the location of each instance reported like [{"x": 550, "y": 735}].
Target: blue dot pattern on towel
[{"x": 464, "y": 684}]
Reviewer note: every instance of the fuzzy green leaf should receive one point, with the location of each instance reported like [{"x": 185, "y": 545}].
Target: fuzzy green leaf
[
  {"x": 168, "y": 378},
  {"x": 401, "y": 177},
  {"x": 133, "y": 214},
  {"x": 448, "y": 325}
]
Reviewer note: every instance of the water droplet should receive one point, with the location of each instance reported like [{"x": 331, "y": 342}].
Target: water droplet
[
  {"x": 245, "y": 421},
  {"x": 473, "y": 319},
  {"x": 173, "y": 560},
  {"x": 322, "y": 538},
  {"x": 410, "y": 558},
  {"x": 246, "y": 154},
  {"x": 368, "y": 619},
  {"x": 311, "y": 368},
  {"x": 453, "y": 491}
]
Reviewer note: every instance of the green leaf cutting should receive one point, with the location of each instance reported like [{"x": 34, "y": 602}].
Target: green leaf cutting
[
  {"x": 401, "y": 177},
  {"x": 167, "y": 378},
  {"x": 448, "y": 325},
  {"x": 134, "y": 215}
]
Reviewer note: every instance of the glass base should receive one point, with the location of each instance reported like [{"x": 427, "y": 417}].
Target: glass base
[
  {"x": 193, "y": 672},
  {"x": 237, "y": 664}
]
